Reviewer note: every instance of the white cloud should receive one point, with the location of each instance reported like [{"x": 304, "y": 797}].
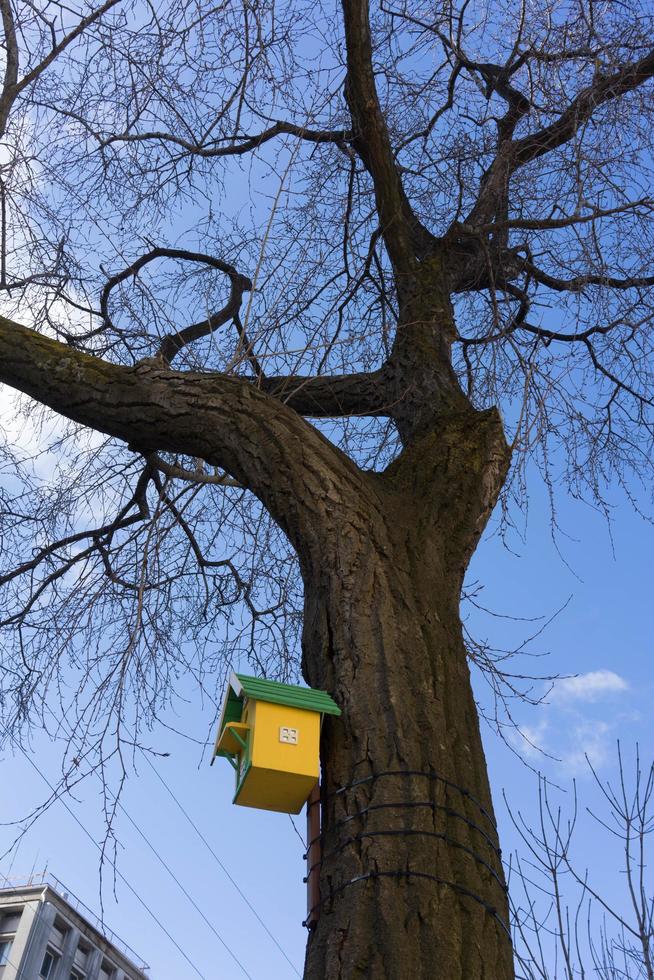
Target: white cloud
[
  {"x": 569, "y": 731},
  {"x": 530, "y": 740},
  {"x": 30, "y": 431},
  {"x": 592, "y": 742},
  {"x": 592, "y": 686}
]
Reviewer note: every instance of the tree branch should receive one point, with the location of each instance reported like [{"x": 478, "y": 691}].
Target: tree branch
[
  {"x": 552, "y": 224},
  {"x": 175, "y": 472},
  {"x": 578, "y": 283},
  {"x": 122, "y": 520},
  {"x": 11, "y": 66},
  {"x": 241, "y": 144},
  {"x": 12, "y": 87},
  {"x": 338, "y": 396},
  {"x": 65, "y": 41},
  {"x": 603, "y": 89},
  {"x": 405, "y": 237},
  {"x": 261, "y": 442},
  {"x": 512, "y": 154},
  {"x": 173, "y": 343}
]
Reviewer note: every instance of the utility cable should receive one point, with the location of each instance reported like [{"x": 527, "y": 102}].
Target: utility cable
[
  {"x": 166, "y": 866},
  {"x": 97, "y": 846},
  {"x": 220, "y": 863},
  {"x": 197, "y": 908}
]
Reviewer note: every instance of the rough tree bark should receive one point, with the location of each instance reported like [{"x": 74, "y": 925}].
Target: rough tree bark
[{"x": 412, "y": 882}]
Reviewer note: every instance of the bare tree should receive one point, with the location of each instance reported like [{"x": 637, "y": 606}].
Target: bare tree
[
  {"x": 318, "y": 281},
  {"x": 565, "y": 927}
]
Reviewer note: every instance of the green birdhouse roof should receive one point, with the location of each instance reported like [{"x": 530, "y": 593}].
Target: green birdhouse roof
[{"x": 292, "y": 694}]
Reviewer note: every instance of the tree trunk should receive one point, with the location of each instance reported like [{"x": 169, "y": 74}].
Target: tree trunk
[{"x": 411, "y": 879}]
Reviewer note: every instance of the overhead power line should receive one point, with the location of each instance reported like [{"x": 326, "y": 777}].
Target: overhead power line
[
  {"x": 119, "y": 874},
  {"x": 220, "y": 863},
  {"x": 159, "y": 857},
  {"x": 197, "y": 908},
  {"x": 164, "y": 863}
]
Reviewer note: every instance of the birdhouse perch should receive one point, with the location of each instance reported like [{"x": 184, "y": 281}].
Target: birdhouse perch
[{"x": 270, "y": 733}]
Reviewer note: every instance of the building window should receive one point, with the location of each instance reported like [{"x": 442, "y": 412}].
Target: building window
[
  {"x": 81, "y": 958},
  {"x": 5, "y": 948},
  {"x": 9, "y": 923},
  {"x": 58, "y": 934},
  {"x": 76, "y": 975},
  {"x": 49, "y": 965}
]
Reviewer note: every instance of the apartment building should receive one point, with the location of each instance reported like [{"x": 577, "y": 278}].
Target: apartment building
[{"x": 47, "y": 933}]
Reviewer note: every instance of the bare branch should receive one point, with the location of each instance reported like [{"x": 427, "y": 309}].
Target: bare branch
[
  {"x": 603, "y": 89},
  {"x": 645, "y": 205},
  {"x": 11, "y": 66},
  {"x": 198, "y": 475},
  {"x": 403, "y": 234},
  {"x": 12, "y": 87},
  {"x": 174, "y": 343},
  {"x": 579, "y": 283},
  {"x": 240, "y": 144}
]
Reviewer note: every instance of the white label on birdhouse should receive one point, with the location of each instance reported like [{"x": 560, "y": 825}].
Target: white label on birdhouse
[{"x": 288, "y": 735}]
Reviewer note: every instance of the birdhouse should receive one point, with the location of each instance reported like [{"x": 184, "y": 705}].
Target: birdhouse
[{"x": 270, "y": 733}]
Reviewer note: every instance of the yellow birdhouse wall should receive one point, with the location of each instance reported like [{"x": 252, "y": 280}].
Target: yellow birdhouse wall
[{"x": 284, "y": 756}]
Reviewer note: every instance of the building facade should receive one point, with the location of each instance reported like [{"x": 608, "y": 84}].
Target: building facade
[{"x": 46, "y": 933}]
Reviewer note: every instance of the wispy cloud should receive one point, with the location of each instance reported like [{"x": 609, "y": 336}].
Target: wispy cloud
[
  {"x": 570, "y": 730},
  {"x": 531, "y": 740},
  {"x": 591, "y": 742},
  {"x": 592, "y": 686}
]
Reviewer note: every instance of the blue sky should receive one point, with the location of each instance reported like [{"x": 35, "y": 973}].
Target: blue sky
[{"x": 603, "y": 635}]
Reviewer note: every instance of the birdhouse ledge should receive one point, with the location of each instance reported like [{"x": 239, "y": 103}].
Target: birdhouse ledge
[{"x": 233, "y": 739}]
